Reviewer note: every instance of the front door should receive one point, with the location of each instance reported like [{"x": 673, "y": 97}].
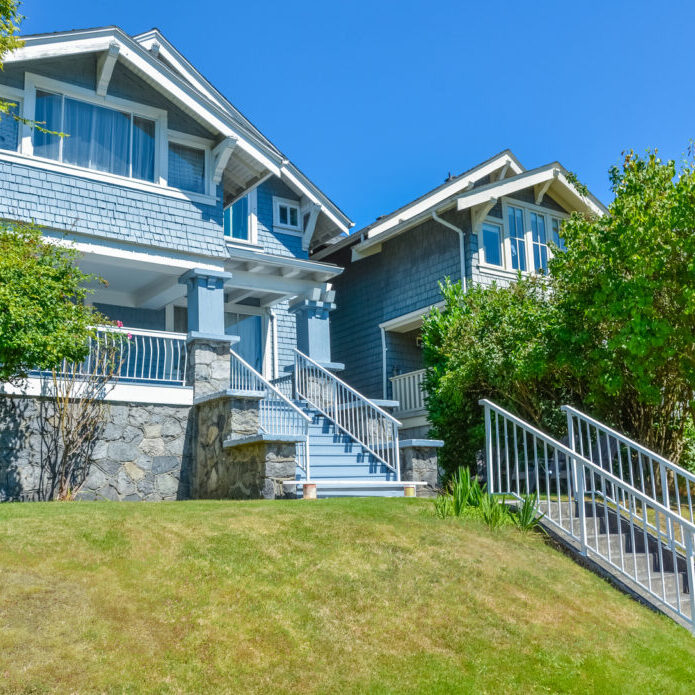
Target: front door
[{"x": 249, "y": 328}]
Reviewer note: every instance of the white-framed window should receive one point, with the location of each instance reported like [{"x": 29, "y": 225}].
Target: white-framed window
[
  {"x": 188, "y": 163},
  {"x": 493, "y": 248},
  {"x": 240, "y": 219},
  {"x": 524, "y": 232},
  {"x": 112, "y": 139},
  {"x": 286, "y": 214},
  {"x": 9, "y": 126},
  {"x": 99, "y": 137}
]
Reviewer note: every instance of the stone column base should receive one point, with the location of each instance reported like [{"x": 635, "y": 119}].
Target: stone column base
[{"x": 419, "y": 462}]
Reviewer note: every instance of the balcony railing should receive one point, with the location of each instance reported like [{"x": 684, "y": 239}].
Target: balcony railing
[
  {"x": 157, "y": 358},
  {"x": 407, "y": 390}
]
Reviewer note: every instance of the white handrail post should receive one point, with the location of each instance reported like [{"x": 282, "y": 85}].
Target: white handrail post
[
  {"x": 666, "y": 501},
  {"x": 397, "y": 451},
  {"x": 691, "y": 576},
  {"x": 578, "y": 476},
  {"x": 488, "y": 449}
]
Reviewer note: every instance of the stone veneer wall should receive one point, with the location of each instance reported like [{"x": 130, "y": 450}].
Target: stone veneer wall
[
  {"x": 142, "y": 453},
  {"x": 420, "y": 463},
  {"x": 249, "y": 471}
]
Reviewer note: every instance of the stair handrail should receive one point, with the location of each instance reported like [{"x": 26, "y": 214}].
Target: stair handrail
[
  {"x": 269, "y": 420},
  {"x": 572, "y": 455},
  {"x": 630, "y": 505},
  {"x": 352, "y": 412},
  {"x": 670, "y": 494}
]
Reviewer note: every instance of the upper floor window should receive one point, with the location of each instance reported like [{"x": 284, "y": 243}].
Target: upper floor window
[
  {"x": 286, "y": 214},
  {"x": 9, "y": 128},
  {"x": 492, "y": 244},
  {"x": 186, "y": 167},
  {"x": 555, "y": 229},
  {"x": 517, "y": 235},
  {"x": 236, "y": 220},
  {"x": 539, "y": 242},
  {"x": 101, "y": 138}
]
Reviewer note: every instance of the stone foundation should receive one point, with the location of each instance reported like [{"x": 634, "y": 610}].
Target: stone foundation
[{"x": 141, "y": 453}]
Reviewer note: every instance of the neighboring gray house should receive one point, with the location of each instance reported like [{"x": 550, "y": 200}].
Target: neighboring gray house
[
  {"x": 483, "y": 226},
  {"x": 202, "y": 229}
]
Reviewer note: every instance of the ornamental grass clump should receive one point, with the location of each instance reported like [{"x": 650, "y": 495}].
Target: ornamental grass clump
[{"x": 526, "y": 516}]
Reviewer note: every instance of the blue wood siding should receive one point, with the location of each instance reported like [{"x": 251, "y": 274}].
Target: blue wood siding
[{"x": 275, "y": 242}]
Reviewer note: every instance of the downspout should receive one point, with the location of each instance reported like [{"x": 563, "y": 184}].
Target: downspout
[
  {"x": 383, "y": 363},
  {"x": 462, "y": 246}
]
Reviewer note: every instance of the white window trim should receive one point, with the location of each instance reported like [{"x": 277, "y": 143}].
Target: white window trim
[
  {"x": 507, "y": 270},
  {"x": 287, "y": 228},
  {"x": 197, "y": 143},
  {"x": 25, "y": 154}
]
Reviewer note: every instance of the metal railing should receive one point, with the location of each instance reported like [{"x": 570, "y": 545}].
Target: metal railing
[
  {"x": 608, "y": 517},
  {"x": 277, "y": 413},
  {"x": 138, "y": 356},
  {"x": 371, "y": 426},
  {"x": 652, "y": 474},
  {"x": 407, "y": 390}
]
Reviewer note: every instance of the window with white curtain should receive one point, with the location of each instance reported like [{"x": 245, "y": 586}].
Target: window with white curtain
[
  {"x": 97, "y": 137},
  {"x": 186, "y": 167}
]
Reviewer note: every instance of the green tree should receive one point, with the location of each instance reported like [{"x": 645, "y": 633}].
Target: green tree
[
  {"x": 497, "y": 343},
  {"x": 9, "y": 37},
  {"x": 626, "y": 291},
  {"x": 43, "y": 319},
  {"x": 611, "y": 329}
]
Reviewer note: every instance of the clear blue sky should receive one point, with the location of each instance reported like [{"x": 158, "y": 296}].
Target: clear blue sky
[{"x": 378, "y": 101}]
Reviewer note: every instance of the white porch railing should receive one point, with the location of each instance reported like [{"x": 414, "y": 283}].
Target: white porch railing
[
  {"x": 407, "y": 390},
  {"x": 137, "y": 356},
  {"x": 371, "y": 426},
  {"x": 603, "y": 512},
  {"x": 278, "y": 414}
]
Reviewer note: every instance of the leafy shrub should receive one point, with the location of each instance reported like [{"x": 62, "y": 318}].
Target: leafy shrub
[{"x": 526, "y": 517}]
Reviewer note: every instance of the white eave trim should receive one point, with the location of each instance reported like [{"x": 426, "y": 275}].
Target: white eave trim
[{"x": 552, "y": 175}]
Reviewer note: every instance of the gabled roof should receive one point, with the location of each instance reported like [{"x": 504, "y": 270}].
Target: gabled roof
[
  {"x": 153, "y": 58},
  {"x": 506, "y": 176}
]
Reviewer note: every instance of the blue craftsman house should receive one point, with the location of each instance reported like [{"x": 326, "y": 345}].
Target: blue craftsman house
[
  {"x": 485, "y": 225},
  {"x": 203, "y": 231}
]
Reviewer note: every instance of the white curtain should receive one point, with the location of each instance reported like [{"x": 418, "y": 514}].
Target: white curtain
[
  {"x": 143, "y": 148},
  {"x": 48, "y": 113}
]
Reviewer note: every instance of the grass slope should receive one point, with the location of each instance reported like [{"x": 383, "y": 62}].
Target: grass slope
[{"x": 332, "y": 596}]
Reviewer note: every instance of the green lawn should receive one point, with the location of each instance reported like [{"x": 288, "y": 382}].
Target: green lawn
[{"x": 332, "y": 596}]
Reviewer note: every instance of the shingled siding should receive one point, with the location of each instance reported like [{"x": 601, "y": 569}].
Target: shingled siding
[
  {"x": 402, "y": 278},
  {"x": 289, "y": 245},
  {"x": 80, "y": 205}
]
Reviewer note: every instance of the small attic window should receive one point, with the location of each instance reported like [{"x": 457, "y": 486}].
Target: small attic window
[{"x": 286, "y": 214}]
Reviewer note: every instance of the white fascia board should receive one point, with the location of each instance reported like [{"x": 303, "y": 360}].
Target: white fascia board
[
  {"x": 126, "y": 393},
  {"x": 144, "y": 259},
  {"x": 444, "y": 193},
  {"x": 152, "y": 71},
  {"x": 245, "y": 280},
  {"x": 552, "y": 174},
  {"x": 289, "y": 268},
  {"x": 482, "y": 195},
  {"x": 406, "y": 319}
]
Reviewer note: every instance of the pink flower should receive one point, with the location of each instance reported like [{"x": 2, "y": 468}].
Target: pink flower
[
  {"x": 119, "y": 324},
  {"x": 130, "y": 336}
]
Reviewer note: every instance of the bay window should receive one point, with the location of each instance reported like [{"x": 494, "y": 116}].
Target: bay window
[{"x": 97, "y": 137}]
